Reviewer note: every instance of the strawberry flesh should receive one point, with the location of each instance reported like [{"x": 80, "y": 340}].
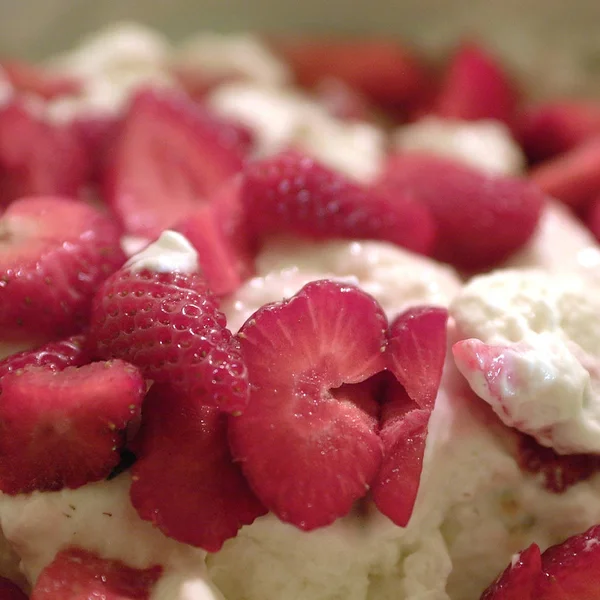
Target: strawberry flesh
[
  {"x": 185, "y": 481},
  {"x": 481, "y": 219},
  {"x": 171, "y": 155},
  {"x": 292, "y": 193},
  {"x": 77, "y": 574},
  {"x": 65, "y": 428},
  {"x": 306, "y": 446}
]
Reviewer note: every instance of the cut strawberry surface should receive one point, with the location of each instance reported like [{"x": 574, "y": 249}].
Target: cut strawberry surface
[
  {"x": 185, "y": 481},
  {"x": 476, "y": 87},
  {"x": 30, "y": 79},
  {"x": 54, "y": 254},
  {"x": 292, "y": 193},
  {"x": 518, "y": 581},
  {"x": 592, "y": 218},
  {"x": 307, "y": 448},
  {"x": 65, "y": 428},
  {"x": 71, "y": 352},
  {"x": 551, "y": 128},
  {"x": 77, "y": 574},
  {"x": 416, "y": 351},
  {"x": 169, "y": 326},
  {"x": 171, "y": 155},
  {"x": 38, "y": 157},
  {"x": 10, "y": 590},
  {"x": 573, "y": 177},
  {"x": 480, "y": 218}
]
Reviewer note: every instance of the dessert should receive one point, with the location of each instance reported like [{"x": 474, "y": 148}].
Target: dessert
[{"x": 262, "y": 342}]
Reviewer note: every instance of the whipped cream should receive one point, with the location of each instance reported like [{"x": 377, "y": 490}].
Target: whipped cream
[
  {"x": 283, "y": 118},
  {"x": 171, "y": 252},
  {"x": 539, "y": 366},
  {"x": 486, "y": 145}
]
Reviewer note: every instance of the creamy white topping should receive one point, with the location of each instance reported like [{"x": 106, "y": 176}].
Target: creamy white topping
[
  {"x": 132, "y": 244},
  {"x": 541, "y": 373},
  {"x": 170, "y": 252},
  {"x": 282, "y": 118},
  {"x": 487, "y": 145}
]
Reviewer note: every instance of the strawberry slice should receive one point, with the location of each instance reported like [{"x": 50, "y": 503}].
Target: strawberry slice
[
  {"x": 417, "y": 349},
  {"x": 169, "y": 326},
  {"x": 30, "y": 79},
  {"x": 404, "y": 434},
  {"x": 217, "y": 232},
  {"x": 386, "y": 72},
  {"x": 551, "y": 128},
  {"x": 171, "y": 155},
  {"x": 292, "y": 193},
  {"x": 481, "y": 218},
  {"x": 307, "y": 448},
  {"x": 38, "y": 157},
  {"x": 71, "y": 352},
  {"x": 10, "y": 590},
  {"x": 476, "y": 87},
  {"x": 592, "y": 218},
  {"x": 77, "y": 574},
  {"x": 65, "y": 429},
  {"x": 573, "y": 177},
  {"x": 201, "y": 498},
  {"x": 519, "y": 579},
  {"x": 55, "y": 253}
]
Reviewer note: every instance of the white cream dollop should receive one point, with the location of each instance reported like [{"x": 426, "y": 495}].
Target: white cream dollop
[{"x": 169, "y": 253}]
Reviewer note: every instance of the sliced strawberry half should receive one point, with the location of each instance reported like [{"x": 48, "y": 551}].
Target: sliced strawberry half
[
  {"x": 480, "y": 218},
  {"x": 185, "y": 481},
  {"x": 168, "y": 324},
  {"x": 54, "y": 254},
  {"x": 70, "y": 352},
  {"x": 65, "y": 428},
  {"x": 416, "y": 351},
  {"x": 592, "y": 218},
  {"x": 77, "y": 574},
  {"x": 307, "y": 448},
  {"x": 573, "y": 177},
  {"x": 476, "y": 87},
  {"x": 38, "y": 157},
  {"x": 292, "y": 193},
  {"x": 171, "y": 155},
  {"x": 10, "y": 590},
  {"x": 30, "y": 79}
]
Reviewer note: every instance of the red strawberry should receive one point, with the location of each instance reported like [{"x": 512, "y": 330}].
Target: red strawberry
[
  {"x": 292, "y": 193},
  {"x": 383, "y": 70},
  {"x": 10, "y": 591},
  {"x": 573, "y": 177},
  {"x": 185, "y": 480},
  {"x": 592, "y": 218},
  {"x": 33, "y": 80},
  {"x": 217, "y": 233},
  {"x": 55, "y": 253},
  {"x": 403, "y": 433},
  {"x": 171, "y": 155},
  {"x": 65, "y": 429},
  {"x": 169, "y": 326},
  {"x": 307, "y": 448},
  {"x": 519, "y": 579},
  {"x": 476, "y": 87},
  {"x": 38, "y": 157},
  {"x": 77, "y": 574},
  {"x": 71, "y": 352},
  {"x": 481, "y": 218},
  {"x": 417, "y": 349},
  {"x": 551, "y": 128}
]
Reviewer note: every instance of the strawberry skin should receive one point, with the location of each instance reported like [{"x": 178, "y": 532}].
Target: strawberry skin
[
  {"x": 306, "y": 446},
  {"x": 77, "y": 574},
  {"x": 169, "y": 326},
  {"x": 71, "y": 352},
  {"x": 292, "y": 193},
  {"x": 65, "y": 428},
  {"x": 55, "y": 253},
  {"x": 10, "y": 591},
  {"x": 480, "y": 218},
  {"x": 171, "y": 155},
  {"x": 185, "y": 481}
]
